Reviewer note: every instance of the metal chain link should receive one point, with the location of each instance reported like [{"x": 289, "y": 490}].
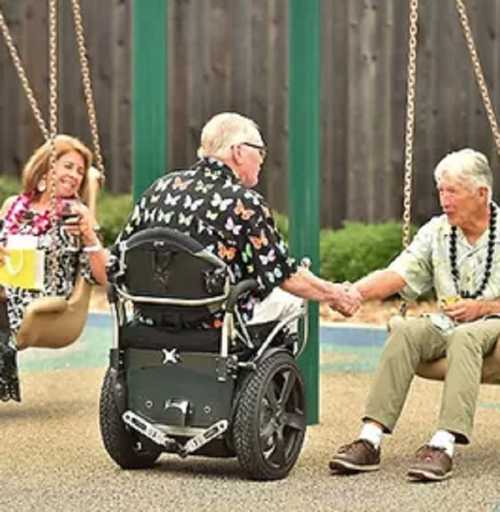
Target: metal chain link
[
  {"x": 22, "y": 77},
  {"x": 478, "y": 72},
  {"x": 410, "y": 127},
  {"x": 53, "y": 98},
  {"x": 410, "y": 119},
  {"x": 87, "y": 83}
]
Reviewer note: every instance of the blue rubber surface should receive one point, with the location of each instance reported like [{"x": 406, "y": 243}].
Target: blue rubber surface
[{"x": 355, "y": 349}]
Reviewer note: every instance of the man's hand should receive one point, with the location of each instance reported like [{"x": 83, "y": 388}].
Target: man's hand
[
  {"x": 466, "y": 310},
  {"x": 346, "y": 299}
]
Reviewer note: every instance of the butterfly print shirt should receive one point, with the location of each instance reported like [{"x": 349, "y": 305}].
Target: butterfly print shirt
[{"x": 210, "y": 204}]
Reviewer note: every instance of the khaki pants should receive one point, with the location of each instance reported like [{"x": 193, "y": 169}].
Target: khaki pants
[{"x": 417, "y": 339}]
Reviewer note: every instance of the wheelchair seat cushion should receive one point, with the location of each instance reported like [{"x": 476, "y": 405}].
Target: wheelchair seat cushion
[{"x": 137, "y": 335}]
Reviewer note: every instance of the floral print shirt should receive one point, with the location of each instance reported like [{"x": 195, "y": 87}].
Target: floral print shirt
[
  {"x": 425, "y": 264},
  {"x": 210, "y": 204},
  {"x": 60, "y": 277}
]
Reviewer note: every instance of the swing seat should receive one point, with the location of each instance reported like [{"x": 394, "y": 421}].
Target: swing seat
[
  {"x": 436, "y": 370},
  {"x": 56, "y": 322}
]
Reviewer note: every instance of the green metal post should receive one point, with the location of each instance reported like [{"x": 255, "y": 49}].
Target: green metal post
[
  {"x": 149, "y": 108},
  {"x": 304, "y": 166}
]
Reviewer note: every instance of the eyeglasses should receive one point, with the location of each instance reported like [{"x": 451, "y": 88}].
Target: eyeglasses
[{"x": 261, "y": 149}]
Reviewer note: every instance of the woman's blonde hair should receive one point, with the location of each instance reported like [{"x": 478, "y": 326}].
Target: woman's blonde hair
[{"x": 37, "y": 166}]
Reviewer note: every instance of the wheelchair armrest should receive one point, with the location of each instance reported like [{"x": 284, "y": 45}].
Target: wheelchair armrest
[{"x": 237, "y": 291}]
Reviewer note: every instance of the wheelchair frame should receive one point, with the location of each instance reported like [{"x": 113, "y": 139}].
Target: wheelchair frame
[{"x": 221, "y": 373}]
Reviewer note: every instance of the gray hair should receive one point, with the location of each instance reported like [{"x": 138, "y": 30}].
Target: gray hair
[
  {"x": 225, "y": 130},
  {"x": 466, "y": 165}
]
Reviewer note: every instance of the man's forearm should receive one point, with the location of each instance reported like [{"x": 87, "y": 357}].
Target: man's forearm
[
  {"x": 308, "y": 286},
  {"x": 380, "y": 284}
]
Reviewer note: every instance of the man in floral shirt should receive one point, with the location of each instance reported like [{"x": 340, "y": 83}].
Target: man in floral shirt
[{"x": 214, "y": 204}]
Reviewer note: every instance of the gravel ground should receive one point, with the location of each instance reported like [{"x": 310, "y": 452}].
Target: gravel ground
[{"x": 51, "y": 458}]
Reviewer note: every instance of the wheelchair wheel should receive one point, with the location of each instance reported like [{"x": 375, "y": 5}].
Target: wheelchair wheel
[
  {"x": 127, "y": 449},
  {"x": 270, "y": 420}
]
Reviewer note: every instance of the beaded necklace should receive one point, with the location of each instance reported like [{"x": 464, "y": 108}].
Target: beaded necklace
[{"x": 489, "y": 258}]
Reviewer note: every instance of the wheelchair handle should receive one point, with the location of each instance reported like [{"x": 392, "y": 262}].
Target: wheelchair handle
[{"x": 237, "y": 291}]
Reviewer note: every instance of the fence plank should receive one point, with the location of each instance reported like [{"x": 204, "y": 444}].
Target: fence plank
[{"x": 232, "y": 55}]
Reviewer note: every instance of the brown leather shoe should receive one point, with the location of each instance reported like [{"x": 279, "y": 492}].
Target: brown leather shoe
[
  {"x": 431, "y": 464},
  {"x": 359, "y": 455}
]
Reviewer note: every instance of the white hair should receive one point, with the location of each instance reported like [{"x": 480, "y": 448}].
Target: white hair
[
  {"x": 225, "y": 130},
  {"x": 467, "y": 166}
]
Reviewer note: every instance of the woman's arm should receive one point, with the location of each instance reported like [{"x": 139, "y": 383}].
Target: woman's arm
[{"x": 97, "y": 254}]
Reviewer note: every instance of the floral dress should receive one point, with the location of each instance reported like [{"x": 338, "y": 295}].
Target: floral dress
[{"x": 63, "y": 260}]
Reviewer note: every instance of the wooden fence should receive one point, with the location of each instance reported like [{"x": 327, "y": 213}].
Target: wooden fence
[{"x": 232, "y": 55}]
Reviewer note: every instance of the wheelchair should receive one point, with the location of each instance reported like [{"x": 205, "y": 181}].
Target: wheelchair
[{"x": 174, "y": 387}]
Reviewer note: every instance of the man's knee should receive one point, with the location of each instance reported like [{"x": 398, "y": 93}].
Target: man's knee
[{"x": 465, "y": 340}]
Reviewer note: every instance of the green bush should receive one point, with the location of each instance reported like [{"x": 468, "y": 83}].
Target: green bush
[
  {"x": 113, "y": 211},
  {"x": 352, "y": 252},
  {"x": 8, "y": 187},
  {"x": 345, "y": 254}
]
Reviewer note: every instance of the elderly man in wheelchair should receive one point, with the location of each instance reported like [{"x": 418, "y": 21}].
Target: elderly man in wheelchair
[{"x": 209, "y": 318}]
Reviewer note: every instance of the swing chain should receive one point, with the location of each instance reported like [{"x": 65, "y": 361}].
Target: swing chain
[
  {"x": 87, "y": 84},
  {"x": 410, "y": 119},
  {"x": 478, "y": 72},
  {"x": 410, "y": 128},
  {"x": 22, "y": 76},
  {"x": 53, "y": 98}
]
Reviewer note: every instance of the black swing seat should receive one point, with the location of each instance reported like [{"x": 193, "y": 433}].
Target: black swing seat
[{"x": 176, "y": 385}]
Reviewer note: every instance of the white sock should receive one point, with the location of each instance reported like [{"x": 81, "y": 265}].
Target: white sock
[
  {"x": 372, "y": 433},
  {"x": 443, "y": 439}
]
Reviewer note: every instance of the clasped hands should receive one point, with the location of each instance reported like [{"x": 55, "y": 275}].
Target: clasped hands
[{"x": 346, "y": 298}]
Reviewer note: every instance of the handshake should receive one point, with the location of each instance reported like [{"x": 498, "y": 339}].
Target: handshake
[{"x": 345, "y": 298}]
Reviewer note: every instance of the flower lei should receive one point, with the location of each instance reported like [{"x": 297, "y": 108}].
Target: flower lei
[{"x": 20, "y": 218}]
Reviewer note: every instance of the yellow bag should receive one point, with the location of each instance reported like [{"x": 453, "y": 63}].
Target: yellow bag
[{"x": 24, "y": 268}]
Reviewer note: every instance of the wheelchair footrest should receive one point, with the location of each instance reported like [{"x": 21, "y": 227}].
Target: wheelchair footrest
[{"x": 148, "y": 430}]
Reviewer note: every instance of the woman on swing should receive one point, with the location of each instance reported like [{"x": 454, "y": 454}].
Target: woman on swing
[{"x": 71, "y": 248}]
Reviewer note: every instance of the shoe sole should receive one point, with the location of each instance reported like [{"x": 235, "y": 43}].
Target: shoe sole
[
  {"x": 343, "y": 465},
  {"x": 422, "y": 475}
]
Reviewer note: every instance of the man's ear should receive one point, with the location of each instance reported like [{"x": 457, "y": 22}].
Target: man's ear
[
  {"x": 484, "y": 193},
  {"x": 237, "y": 154}
]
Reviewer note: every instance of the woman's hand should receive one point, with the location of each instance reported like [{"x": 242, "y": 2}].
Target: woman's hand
[
  {"x": 84, "y": 227},
  {"x": 3, "y": 255}
]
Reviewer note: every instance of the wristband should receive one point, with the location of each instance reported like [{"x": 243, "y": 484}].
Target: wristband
[{"x": 92, "y": 248}]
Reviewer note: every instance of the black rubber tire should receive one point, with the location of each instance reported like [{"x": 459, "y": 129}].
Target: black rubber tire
[
  {"x": 270, "y": 421},
  {"x": 127, "y": 449}
]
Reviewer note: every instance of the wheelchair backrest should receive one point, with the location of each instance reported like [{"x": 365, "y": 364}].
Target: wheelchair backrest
[{"x": 165, "y": 263}]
